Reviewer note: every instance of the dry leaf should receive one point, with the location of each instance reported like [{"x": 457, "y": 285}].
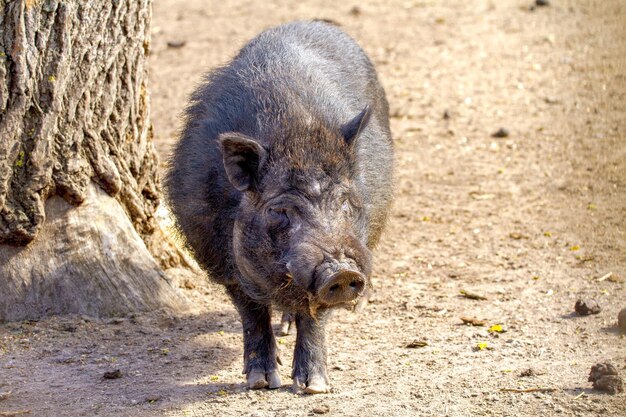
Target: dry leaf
[{"x": 473, "y": 321}]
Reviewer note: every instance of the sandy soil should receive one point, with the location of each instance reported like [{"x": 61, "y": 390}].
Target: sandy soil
[{"x": 532, "y": 222}]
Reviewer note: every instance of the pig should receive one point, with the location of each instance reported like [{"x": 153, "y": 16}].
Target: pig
[{"x": 280, "y": 185}]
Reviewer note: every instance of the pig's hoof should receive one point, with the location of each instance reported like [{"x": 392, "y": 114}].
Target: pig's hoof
[
  {"x": 315, "y": 385},
  {"x": 286, "y": 323},
  {"x": 258, "y": 379}
]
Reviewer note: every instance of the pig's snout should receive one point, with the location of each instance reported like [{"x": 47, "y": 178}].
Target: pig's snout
[{"x": 340, "y": 286}]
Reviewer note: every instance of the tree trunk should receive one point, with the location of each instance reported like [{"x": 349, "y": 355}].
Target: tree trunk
[{"x": 78, "y": 170}]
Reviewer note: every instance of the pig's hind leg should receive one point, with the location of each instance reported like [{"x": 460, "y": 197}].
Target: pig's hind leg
[
  {"x": 260, "y": 355},
  {"x": 309, "y": 359},
  {"x": 286, "y": 323}
]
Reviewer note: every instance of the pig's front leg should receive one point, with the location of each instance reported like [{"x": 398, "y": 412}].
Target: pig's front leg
[
  {"x": 260, "y": 356},
  {"x": 309, "y": 358}
]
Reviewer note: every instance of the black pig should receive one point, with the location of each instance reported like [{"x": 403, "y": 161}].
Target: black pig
[{"x": 281, "y": 183}]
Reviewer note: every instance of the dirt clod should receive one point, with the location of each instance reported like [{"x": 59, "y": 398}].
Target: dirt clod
[
  {"x": 176, "y": 44},
  {"x": 621, "y": 320},
  {"x": 68, "y": 327},
  {"x": 112, "y": 374},
  {"x": 541, "y": 3},
  {"x": 516, "y": 235},
  {"x": 321, "y": 409},
  {"x": 612, "y": 384},
  {"x": 605, "y": 378},
  {"x": 355, "y": 11},
  {"x": 585, "y": 307},
  {"x": 530, "y": 372},
  {"x": 500, "y": 133}
]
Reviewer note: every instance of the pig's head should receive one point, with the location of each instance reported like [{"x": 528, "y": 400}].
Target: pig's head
[{"x": 301, "y": 226}]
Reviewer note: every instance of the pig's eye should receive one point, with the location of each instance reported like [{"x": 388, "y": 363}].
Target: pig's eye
[{"x": 277, "y": 217}]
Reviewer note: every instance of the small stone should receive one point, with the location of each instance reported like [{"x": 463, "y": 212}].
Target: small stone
[
  {"x": 355, "y": 11},
  {"x": 446, "y": 115},
  {"x": 541, "y": 3},
  {"x": 473, "y": 321},
  {"x": 500, "y": 133},
  {"x": 517, "y": 236},
  {"x": 321, "y": 409},
  {"x": 621, "y": 320},
  {"x": 112, "y": 374},
  {"x": 586, "y": 307},
  {"x": 68, "y": 327},
  {"x": 176, "y": 44},
  {"x": 530, "y": 372}
]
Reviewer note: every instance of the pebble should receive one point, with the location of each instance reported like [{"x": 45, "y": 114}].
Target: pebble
[
  {"x": 585, "y": 307},
  {"x": 176, "y": 44},
  {"x": 321, "y": 409},
  {"x": 112, "y": 374},
  {"x": 500, "y": 133}
]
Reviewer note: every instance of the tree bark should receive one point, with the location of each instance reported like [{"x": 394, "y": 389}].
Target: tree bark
[{"x": 74, "y": 111}]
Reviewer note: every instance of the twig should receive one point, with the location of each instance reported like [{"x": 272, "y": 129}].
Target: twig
[
  {"x": 579, "y": 395},
  {"x": 471, "y": 295},
  {"x": 14, "y": 413},
  {"x": 528, "y": 390},
  {"x": 605, "y": 276}
]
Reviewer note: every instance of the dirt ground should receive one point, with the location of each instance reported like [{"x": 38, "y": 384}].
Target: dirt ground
[{"x": 532, "y": 221}]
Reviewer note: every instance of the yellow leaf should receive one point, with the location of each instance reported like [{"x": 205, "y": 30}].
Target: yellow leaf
[
  {"x": 547, "y": 234},
  {"x": 481, "y": 345},
  {"x": 575, "y": 247},
  {"x": 496, "y": 328},
  {"x": 214, "y": 378}
]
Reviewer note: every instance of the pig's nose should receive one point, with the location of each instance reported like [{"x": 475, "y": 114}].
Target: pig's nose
[{"x": 342, "y": 287}]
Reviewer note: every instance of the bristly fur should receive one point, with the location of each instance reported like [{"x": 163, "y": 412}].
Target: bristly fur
[{"x": 281, "y": 183}]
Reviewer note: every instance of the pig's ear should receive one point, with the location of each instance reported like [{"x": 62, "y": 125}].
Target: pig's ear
[
  {"x": 352, "y": 129},
  {"x": 243, "y": 159}
]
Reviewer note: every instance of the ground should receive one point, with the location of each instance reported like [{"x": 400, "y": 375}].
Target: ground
[{"x": 532, "y": 221}]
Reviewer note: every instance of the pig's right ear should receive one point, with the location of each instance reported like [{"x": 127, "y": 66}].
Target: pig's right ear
[{"x": 243, "y": 159}]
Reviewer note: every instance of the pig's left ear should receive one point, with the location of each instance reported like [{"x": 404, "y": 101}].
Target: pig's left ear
[
  {"x": 352, "y": 129},
  {"x": 243, "y": 158}
]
